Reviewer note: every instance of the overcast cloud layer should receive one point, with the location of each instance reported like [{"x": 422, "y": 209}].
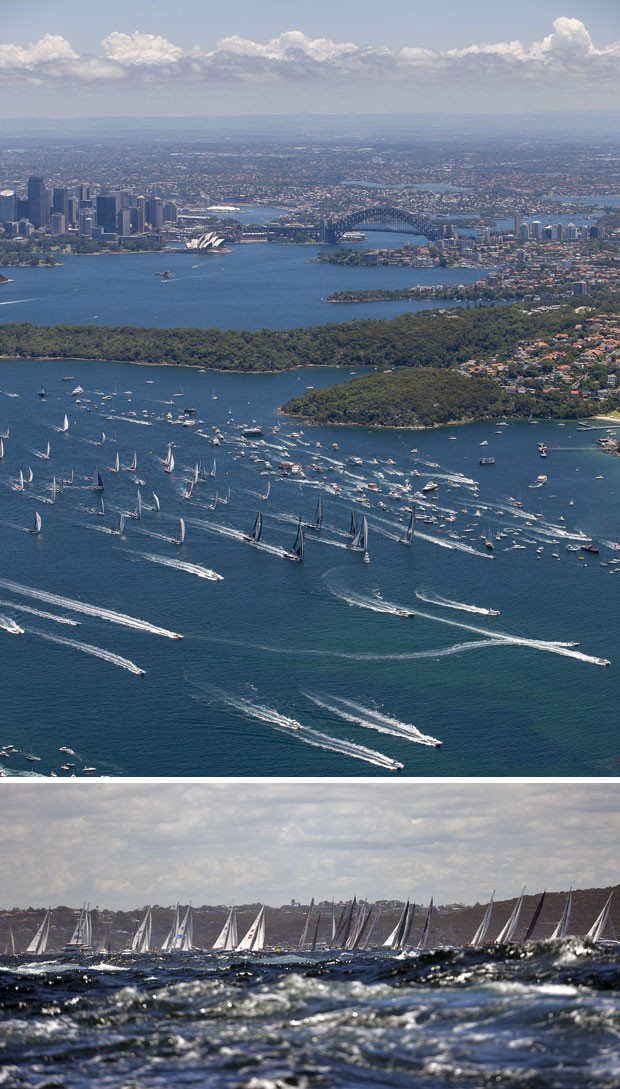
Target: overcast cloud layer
[
  {"x": 122, "y": 845},
  {"x": 146, "y": 72}
]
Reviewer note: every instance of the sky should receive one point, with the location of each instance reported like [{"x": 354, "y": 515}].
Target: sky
[
  {"x": 64, "y": 58},
  {"x": 122, "y": 845}
]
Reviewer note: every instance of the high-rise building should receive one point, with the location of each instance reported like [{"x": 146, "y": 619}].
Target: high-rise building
[
  {"x": 170, "y": 212},
  {"x": 107, "y": 209},
  {"x": 123, "y": 222},
  {"x": 84, "y": 193},
  {"x": 155, "y": 212},
  {"x": 38, "y": 202},
  {"x": 8, "y": 209},
  {"x": 559, "y": 232},
  {"x": 86, "y": 221},
  {"x": 536, "y": 228},
  {"x": 580, "y": 287},
  {"x": 58, "y": 223},
  {"x": 60, "y": 202},
  {"x": 74, "y": 206},
  {"x": 571, "y": 232},
  {"x": 524, "y": 232}
]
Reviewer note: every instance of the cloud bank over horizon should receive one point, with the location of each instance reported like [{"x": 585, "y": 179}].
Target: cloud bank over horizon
[{"x": 565, "y": 69}]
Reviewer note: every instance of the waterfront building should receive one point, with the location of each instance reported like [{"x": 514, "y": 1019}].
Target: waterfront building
[
  {"x": 123, "y": 222},
  {"x": 107, "y": 210},
  {"x": 58, "y": 223}
]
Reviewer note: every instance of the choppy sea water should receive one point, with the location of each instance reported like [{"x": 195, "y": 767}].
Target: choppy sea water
[
  {"x": 332, "y": 666},
  {"x": 537, "y": 1015}
]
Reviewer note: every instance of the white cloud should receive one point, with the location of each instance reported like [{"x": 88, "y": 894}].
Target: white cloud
[
  {"x": 140, "y": 49},
  {"x": 143, "y": 73},
  {"x": 273, "y": 841}
]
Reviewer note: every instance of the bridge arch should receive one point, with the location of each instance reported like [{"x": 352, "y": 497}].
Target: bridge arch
[{"x": 376, "y": 217}]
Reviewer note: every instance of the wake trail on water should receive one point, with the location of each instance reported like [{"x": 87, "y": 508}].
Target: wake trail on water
[
  {"x": 89, "y": 610},
  {"x": 377, "y": 604},
  {"x": 88, "y": 648},
  {"x": 360, "y": 656},
  {"x": 447, "y": 603},
  {"x": 40, "y": 612},
  {"x": 290, "y": 726},
  {"x": 238, "y": 535},
  {"x": 373, "y": 720},
  {"x": 182, "y": 565}
]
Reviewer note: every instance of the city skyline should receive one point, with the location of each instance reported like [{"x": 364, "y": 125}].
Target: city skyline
[
  {"x": 122, "y": 845},
  {"x": 141, "y": 62}
]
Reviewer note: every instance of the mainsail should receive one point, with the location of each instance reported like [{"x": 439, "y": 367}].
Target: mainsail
[
  {"x": 298, "y": 547},
  {"x": 423, "y": 942},
  {"x": 169, "y": 939},
  {"x": 507, "y": 932},
  {"x": 596, "y": 931},
  {"x": 258, "y": 528},
  {"x": 180, "y": 537},
  {"x": 535, "y": 918},
  {"x": 561, "y": 929},
  {"x": 481, "y": 932},
  {"x": 38, "y": 945},
  {"x": 408, "y": 538},
  {"x": 227, "y": 938},
  {"x": 37, "y": 523},
  {"x": 255, "y": 937},
  {"x": 141, "y": 941}
]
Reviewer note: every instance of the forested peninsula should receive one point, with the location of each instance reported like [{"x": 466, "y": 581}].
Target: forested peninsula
[{"x": 440, "y": 340}]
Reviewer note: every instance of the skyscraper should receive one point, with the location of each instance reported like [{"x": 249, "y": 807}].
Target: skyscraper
[
  {"x": 38, "y": 202},
  {"x": 107, "y": 209},
  {"x": 7, "y": 206}
]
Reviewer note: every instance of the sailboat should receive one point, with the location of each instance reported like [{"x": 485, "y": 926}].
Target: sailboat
[
  {"x": 82, "y": 938},
  {"x": 535, "y": 918},
  {"x": 297, "y": 552},
  {"x": 180, "y": 537},
  {"x": 37, "y": 524},
  {"x": 101, "y": 510},
  {"x": 9, "y": 948},
  {"x": 359, "y": 543},
  {"x": 20, "y": 482},
  {"x": 507, "y": 932},
  {"x": 46, "y": 455},
  {"x": 168, "y": 462},
  {"x": 410, "y": 530},
  {"x": 156, "y": 505},
  {"x": 116, "y": 468},
  {"x": 183, "y": 939},
  {"x": 132, "y": 468},
  {"x": 213, "y": 470},
  {"x": 254, "y": 940},
  {"x": 97, "y": 484},
  {"x": 353, "y": 524},
  {"x": 423, "y": 942},
  {"x": 137, "y": 513},
  {"x": 168, "y": 940},
  {"x": 596, "y": 931},
  {"x": 118, "y": 532},
  {"x": 38, "y": 945},
  {"x": 65, "y": 424},
  {"x": 304, "y": 933},
  {"x": 227, "y": 938},
  {"x": 141, "y": 941},
  {"x": 561, "y": 929},
  {"x": 481, "y": 933},
  {"x": 399, "y": 936},
  {"x": 1, "y": 449},
  {"x": 29, "y": 477},
  {"x": 318, "y": 517},
  {"x": 254, "y": 536}
]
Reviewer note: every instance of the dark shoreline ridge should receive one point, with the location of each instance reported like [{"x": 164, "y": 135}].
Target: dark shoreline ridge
[{"x": 437, "y": 340}]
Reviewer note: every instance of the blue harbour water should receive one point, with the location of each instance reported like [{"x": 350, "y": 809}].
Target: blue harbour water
[
  {"x": 282, "y": 662},
  {"x": 543, "y": 1016},
  {"x": 284, "y": 666}
]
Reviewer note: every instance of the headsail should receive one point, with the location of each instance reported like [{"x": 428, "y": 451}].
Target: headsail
[
  {"x": 507, "y": 932},
  {"x": 298, "y": 548},
  {"x": 37, "y": 523},
  {"x": 258, "y": 528},
  {"x": 255, "y": 938},
  {"x": 180, "y": 537},
  {"x": 38, "y": 945},
  {"x": 141, "y": 941},
  {"x": 227, "y": 938},
  {"x": 596, "y": 931},
  {"x": 481, "y": 932},
  {"x": 561, "y": 930}
]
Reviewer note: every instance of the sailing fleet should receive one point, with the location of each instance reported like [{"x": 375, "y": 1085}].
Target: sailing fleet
[{"x": 354, "y": 926}]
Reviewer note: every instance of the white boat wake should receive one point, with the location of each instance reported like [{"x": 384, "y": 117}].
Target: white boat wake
[
  {"x": 6, "y": 624},
  {"x": 373, "y": 720},
  {"x": 363, "y": 656},
  {"x": 377, "y": 604},
  {"x": 291, "y": 726},
  {"x": 88, "y": 648},
  {"x": 89, "y": 610},
  {"x": 40, "y": 612},
  {"x": 181, "y": 565},
  {"x": 447, "y": 603}
]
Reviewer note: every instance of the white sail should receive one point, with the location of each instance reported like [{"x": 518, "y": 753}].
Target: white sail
[
  {"x": 138, "y": 510},
  {"x": 65, "y": 423},
  {"x": 38, "y": 945},
  {"x": 141, "y": 941},
  {"x": 167, "y": 945},
  {"x": 81, "y": 939},
  {"x": 423, "y": 942},
  {"x": 117, "y": 464},
  {"x": 596, "y": 931},
  {"x": 360, "y": 539},
  {"x": 121, "y": 525},
  {"x": 37, "y": 523},
  {"x": 400, "y": 934},
  {"x": 29, "y": 477},
  {"x": 101, "y": 510},
  {"x": 408, "y": 538},
  {"x": 481, "y": 932},
  {"x": 180, "y": 537},
  {"x": 297, "y": 552},
  {"x": 561, "y": 930},
  {"x": 1, "y": 449},
  {"x": 255, "y": 937},
  {"x": 182, "y": 941},
  {"x": 20, "y": 482},
  {"x": 227, "y": 938},
  {"x": 156, "y": 505},
  {"x": 507, "y": 932}
]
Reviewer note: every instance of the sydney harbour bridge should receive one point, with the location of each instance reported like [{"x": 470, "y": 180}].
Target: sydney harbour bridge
[{"x": 381, "y": 218}]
